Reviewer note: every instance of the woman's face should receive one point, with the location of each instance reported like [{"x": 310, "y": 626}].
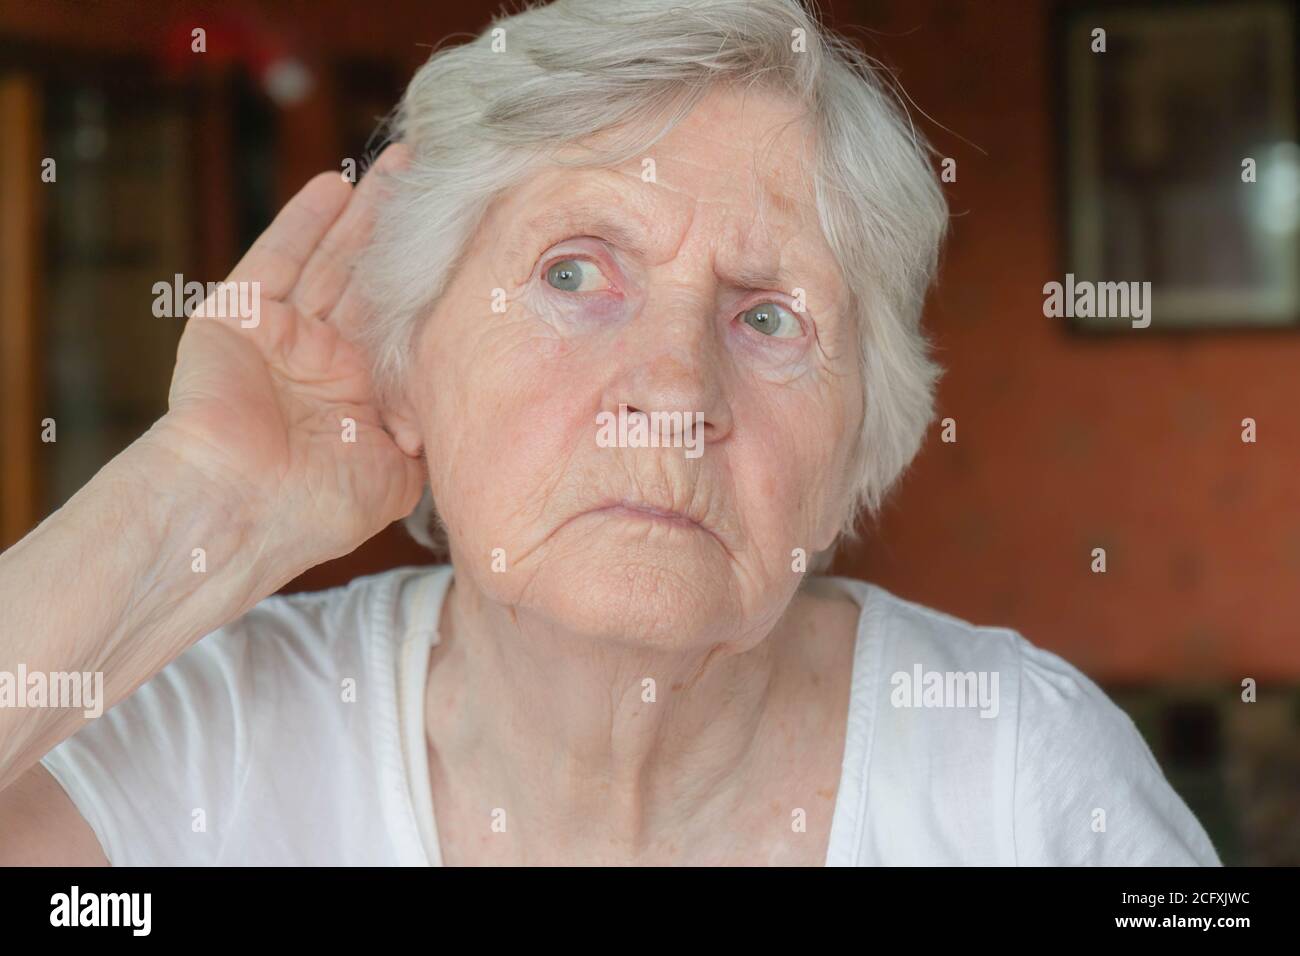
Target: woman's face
[{"x": 666, "y": 285}]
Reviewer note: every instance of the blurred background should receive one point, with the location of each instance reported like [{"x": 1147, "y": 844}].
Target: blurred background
[{"x": 1163, "y": 149}]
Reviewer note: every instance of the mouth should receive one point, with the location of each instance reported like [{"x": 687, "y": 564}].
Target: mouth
[{"x": 636, "y": 511}]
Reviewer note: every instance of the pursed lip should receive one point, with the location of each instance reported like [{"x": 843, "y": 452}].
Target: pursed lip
[{"x": 637, "y": 510}]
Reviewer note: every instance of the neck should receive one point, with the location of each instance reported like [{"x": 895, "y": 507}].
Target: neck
[{"x": 606, "y": 749}]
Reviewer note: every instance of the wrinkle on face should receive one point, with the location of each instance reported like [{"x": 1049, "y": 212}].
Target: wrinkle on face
[{"x": 509, "y": 400}]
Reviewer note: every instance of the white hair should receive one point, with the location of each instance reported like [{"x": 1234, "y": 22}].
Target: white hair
[{"x": 480, "y": 117}]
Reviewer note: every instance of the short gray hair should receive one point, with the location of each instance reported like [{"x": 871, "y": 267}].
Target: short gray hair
[{"x": 478, "y": 121}]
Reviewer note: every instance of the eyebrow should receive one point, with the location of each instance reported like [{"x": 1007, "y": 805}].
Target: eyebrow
[
  {"x": 747, "y": 278},
  {"x": 605, "y": 219},
  {"x": 587, "y": 215}
]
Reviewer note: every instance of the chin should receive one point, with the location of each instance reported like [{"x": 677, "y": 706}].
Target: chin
[{"x": 662, "y": 586}]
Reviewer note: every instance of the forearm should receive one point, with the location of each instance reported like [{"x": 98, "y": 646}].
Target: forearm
[{"x": 145, "y": 559}]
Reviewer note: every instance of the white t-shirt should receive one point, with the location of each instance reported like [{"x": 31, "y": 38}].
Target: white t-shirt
[{"x": 295, "y": 736}]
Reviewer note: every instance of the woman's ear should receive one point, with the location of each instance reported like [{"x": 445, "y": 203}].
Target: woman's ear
[
  {"x": 401, "y": 422},
  {"x": 392, "y": 157},
  {"x": 397, "y": 413}
]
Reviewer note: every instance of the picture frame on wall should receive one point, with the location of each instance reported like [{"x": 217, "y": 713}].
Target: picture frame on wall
[{"x": 1181, "y": 160}]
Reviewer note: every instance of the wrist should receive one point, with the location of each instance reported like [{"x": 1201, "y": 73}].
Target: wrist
[{"x": 190, "y": 502}]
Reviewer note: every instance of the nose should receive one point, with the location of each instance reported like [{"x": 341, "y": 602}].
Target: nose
[{"x": 673, "y": 364}]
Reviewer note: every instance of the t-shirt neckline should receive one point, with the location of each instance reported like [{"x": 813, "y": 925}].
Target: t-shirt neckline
[{"x": 421, "y": 636}]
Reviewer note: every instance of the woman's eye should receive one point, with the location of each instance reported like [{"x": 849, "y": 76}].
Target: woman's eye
[
  {"x": 576, "y": 275},
  {"x": 770, "y": 319}
]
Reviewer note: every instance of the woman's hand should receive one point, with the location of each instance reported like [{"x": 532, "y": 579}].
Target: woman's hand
[
  {"x": 249, "y": 469},
  {"x": 281, "y": 414}
]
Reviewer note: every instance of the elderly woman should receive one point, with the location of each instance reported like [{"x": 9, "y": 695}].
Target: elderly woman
[{"x": 636, "y": 298}]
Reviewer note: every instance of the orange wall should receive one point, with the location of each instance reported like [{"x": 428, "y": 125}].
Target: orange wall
[{"x": 1131, "y": 443}]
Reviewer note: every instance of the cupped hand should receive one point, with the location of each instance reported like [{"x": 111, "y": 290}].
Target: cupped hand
[{"x": 280, "y": 413}]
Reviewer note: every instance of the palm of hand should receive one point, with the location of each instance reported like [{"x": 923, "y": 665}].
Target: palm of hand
[{"x": 283, "y": 412}]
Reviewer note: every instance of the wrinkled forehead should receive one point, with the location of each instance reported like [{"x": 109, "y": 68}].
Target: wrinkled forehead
[{"x": 745, "y": 148}]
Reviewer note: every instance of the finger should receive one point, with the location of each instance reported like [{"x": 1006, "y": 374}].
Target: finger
[
  {"x": 329, "y": 269},
  {"x": 277, "y": 258},
  {"x": 322, "y": 283},
  {"x": 349, "y": 312}
]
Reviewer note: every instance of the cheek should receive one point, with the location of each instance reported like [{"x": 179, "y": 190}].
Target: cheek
[
  {"x": 509, "y": 418},
  {"x": 787, "y": 474}
]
